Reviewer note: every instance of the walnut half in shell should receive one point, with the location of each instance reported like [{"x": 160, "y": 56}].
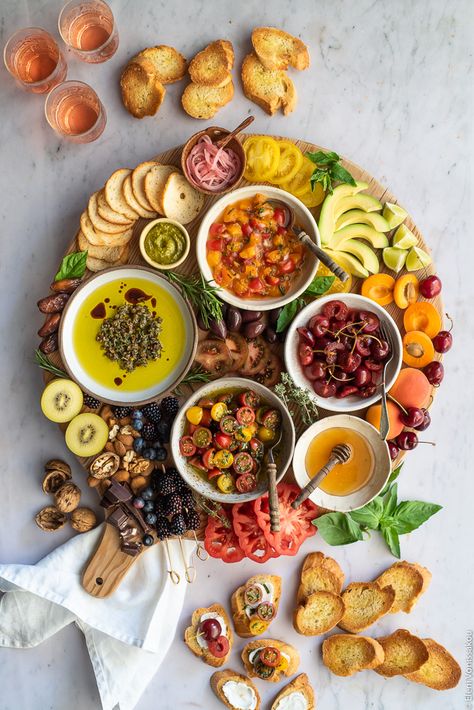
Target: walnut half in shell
[
  {"x": 54, "y": 479},
  {"x": 67, "y": 497},
  {"x": 50, "y": 519},
  {"x": 104, "y": 465},
  {"x": 58, "y": 465}
]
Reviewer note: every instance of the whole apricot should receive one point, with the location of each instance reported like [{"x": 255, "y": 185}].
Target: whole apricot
[{"x": 374, "y": 414}]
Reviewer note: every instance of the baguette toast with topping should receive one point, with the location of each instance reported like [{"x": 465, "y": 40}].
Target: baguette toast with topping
[
  {"x": 345, "y": 654},
  {"x": 219, "y": 679},
  {"x": 288, "y": 665},
  {"x": 299, "y": 685},
  {"x": 244, "y": 613},
  {"x": 192, "y": 636},
  {"x": 409, "y": 581}
]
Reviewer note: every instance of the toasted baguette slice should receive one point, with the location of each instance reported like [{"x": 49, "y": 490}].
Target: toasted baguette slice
[
  {"x": 440, "y": 672},
  {"x": 241, "y": 620},
  {"x": 365, "y": 603},
  {"x": 286, "y": 648},
  {"x": 131, "y": 200},
  {"x": 109, "y": 214},
  {"x": 104, "y": 253},
  {"x": 301, "y": 685},
  {"x": 212, "y": 65},
  {"x": 269, "y": 89},
  {"x": 142, "y": 92},
  {"x": 98, "y": 222},
  {"x": 345, "y": 654},
  {"x": 94, "y": 264},
  {"x": 180, "y": 200},
  {"x": 277, "y": 49},
  {"x": 220, "y": 678},
  {"x": 168, "y": 63},
  {"x": 205, "y": 101},
  {"x": 138, "y": 183},
  {"x": 409, "y": 581},
  {"x": 404, "y": 653},
  {"x": 318, "y": 613},
  {"x": 319, "y": 574},
  {"x": 114, "y": 195},
  {"x": 102, "y": 239},
  {"x": 155, "y": 181},
  {"x": 190, "y": 636}
]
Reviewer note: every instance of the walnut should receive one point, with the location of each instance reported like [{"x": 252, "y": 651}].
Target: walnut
[
  {"x": 129, "y": 456},
  {"x": 83, "y": 519},
  {"x": 127, "y": 430},
  {"x": 104, "y": 465},
  {"x": 54, "y": 479},
  {"x": 67, "y": 497},
  {"x": 114, "y": 430},
  {"x": 58, "y": 465},
  {"x": 139, "y": 467},
  {"x": 50, "y": 519}
]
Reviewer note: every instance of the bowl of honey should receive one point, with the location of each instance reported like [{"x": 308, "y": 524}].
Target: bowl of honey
[{"x": 349, "y": 485}]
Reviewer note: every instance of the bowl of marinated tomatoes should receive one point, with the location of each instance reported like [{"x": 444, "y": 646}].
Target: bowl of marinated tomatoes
[
  {"x": 221, "y": 437},
  {"x": 244, "y": 247},
  {"x": 336, "y": 350}
]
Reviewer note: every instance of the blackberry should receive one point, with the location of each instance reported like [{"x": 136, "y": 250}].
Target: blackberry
[
  {"x": 188, "y": 499},
  {"x": 121, "y": 412},
  {"x": 149, "y": 431},
  {"x": 173, "y": 504},
  {"x": 192, "y": 519},
  {"x": 174, "y": 473},
  {"x": 178, "y": 524},
  {"x": 163, "y": 431},
  {"x": 169, "y": 407},
  {"x": 160, "y": 506},
  {"x": 162, "y": 528},
  {"x": 91, "y": 402},
  {"x": 165, "y": 485},
  {"x": 182, "y": 485},
  {"x": 152, "y": 412}
]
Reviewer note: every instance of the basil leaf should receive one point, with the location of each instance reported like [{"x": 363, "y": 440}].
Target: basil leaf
[
  {"x": 72, "y": 266},
  {"x": 370, "y": 515},
  {"x": 338, "y": 529},
  {"x": 391, "y": 538},
  {"x": 288, "y": 313},
  {"x": 390, "y": 501},
  {"x": 410, "y": 514},
  {"x": 393, "y": 477},
  {"x": 322, "y": 158},
  {"x": 341, "y": 174},
  {"x": 319, "y": 285}
]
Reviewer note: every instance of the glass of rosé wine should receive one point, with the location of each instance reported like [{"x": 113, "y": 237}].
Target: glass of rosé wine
[
  {"x": 33, "y": 58},
  {"x": 88, "y": 28},
  {"x": 75, "y": 112}
]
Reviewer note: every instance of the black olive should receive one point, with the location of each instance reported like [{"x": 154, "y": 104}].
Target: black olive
[
  {"x": 253, "y": 329},
  {"x": 250, "y": 316},
  {"x": 233, "y": 319},
  {"x": 270, "y": 334},
  {"x": 200, "y": 322},
  {"x": 273, "y": 315},
  {"x": 219, "y": 328}
]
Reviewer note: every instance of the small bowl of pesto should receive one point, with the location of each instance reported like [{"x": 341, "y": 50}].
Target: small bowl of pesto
[{"x": 164, "y": 243}]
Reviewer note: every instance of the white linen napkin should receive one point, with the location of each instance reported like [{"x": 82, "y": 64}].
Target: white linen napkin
[{"x": 134, "y": 627}]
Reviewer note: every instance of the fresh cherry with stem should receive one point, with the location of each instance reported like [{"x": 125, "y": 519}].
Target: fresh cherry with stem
[{"x": 443, "y": 341}]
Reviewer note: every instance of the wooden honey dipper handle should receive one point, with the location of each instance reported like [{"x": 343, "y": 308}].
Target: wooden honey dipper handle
[
  {"x": 339, "y": 454},
  {"x": 273, "y": 498}
]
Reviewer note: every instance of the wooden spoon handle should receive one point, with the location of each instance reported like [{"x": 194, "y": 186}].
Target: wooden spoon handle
[
  {"x": 315, "y": 481},
  {"x": 273, "y": 498},
  {"x": 223, "y": 141},
  {"x": 324, "y": 257}
]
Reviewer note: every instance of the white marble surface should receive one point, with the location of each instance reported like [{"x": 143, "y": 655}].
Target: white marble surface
[{"x": 390, "y": 87}]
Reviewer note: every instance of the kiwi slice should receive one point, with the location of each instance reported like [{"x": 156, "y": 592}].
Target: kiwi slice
[
  {"x": 87, "y": 434},
  {"x": 61, "y": 400}
]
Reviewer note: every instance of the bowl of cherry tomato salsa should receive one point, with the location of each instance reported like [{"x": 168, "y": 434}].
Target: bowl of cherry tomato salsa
[
  {"x": 244, "y": 247},
  {"x": 221, "y": 436},
  {"x": 335, "y": 349}
]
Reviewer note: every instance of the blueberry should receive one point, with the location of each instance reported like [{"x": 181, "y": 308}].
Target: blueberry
[
  {"x": 163, "y": 430},
  {"x": 137, "y": 424},
  {"x": 155, "y": 445},
  {"x": 149, "y": 506},
  {"x": 148, "y": 540},
  {"x": 138, "y": 444},
  {"x": 149, "y": 454},
  {"x": 151, "y": 518},
  {"x": 138, "y": 502},
  {"x": 147, "y": 493},
  {"x": 160, "y": 454},
  {"x": 137, "y": 414}
]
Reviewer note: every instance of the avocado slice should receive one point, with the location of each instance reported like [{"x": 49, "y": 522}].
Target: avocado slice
[
  {"x": 373, "y": 219},
  {"x": 326, "y": 218},
  {"x": 358, "y": 231},
  {"x": 349, "y": 263},
  {"x": 367, "y": 203},
  {"x": 363, "y": 252}
]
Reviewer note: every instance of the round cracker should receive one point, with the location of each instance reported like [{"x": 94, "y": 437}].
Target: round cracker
[
  {"x": 138, "y": 183},
  {"x": 155, "y": 181},
  {"x": 99, "y": 223},
  {"x": 94, "y": 264},
  {"x": 181, "y": 201},
  {"x": 101, "y": 239},
  {"x": 114, "y": 195},
  {"x": 127, "y": 192},
  {"x": 104, "y": 253},
  {"x": 108, "y": 213}
]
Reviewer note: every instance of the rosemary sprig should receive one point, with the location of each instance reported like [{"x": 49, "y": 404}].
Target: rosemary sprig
[
  {"x": 291, "y": 394},
  {"x": 195, "y": 375},
  {"x": 201, "y": 294},
  {"x": 45, "y": 363},
  {"x": 212, "y": 509}
]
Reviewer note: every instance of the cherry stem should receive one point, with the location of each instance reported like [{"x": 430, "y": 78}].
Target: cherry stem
[
  {"x": 431, "y": 443},
  {"x": 397, "y": 403},
  {"x": 451, "y": 322}
]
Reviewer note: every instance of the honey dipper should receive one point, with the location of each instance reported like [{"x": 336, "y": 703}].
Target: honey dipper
[{"x": 340, "y": 454}]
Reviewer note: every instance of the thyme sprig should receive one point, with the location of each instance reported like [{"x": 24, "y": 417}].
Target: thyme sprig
[
  {"x": 200, "y": 294},
  {"x": 292, "y": 395},
  {"x": 196, "y": 375},
  {"x": 212, "y": 509},
  {"x": 45, "y": 363}
]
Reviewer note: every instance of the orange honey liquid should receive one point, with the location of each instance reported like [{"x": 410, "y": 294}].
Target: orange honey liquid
[{"x": 344, "y": 478}]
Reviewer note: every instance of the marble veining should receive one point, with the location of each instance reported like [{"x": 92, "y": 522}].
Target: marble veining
[{"x": 390, "y": 87}]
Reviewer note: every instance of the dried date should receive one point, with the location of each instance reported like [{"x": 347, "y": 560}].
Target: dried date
[
  {"x": 54, "y": 303},
  {"x": 65, "y": 285},
  {"x": 50, "y": 325},
  {"x": 49, "y": 344}
]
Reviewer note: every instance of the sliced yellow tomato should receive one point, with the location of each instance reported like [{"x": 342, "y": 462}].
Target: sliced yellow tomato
[
  {"x": 282, "y": 665},
  {"x": 299, "y": 184},
  {"x": 313, "y": 198},
  {"x": 257, "y": 627},
  {"x": 262, "y": 155},
  {"x": 194, "y": 415},
  {"x": 218, "y": 410},
  {"x": 225, "y": 483},
  {"x": 337, "y": 286},
  {"x": 291, "y": 160}
]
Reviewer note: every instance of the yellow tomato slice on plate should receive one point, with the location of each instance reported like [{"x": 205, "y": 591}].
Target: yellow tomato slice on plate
[
  {"x": 337, "y": 285},
  {"x": 262, "y": 155},
  {"x": 257, "y": 627},
  {"x": 291, "y": 160},
  {"x": 313, "y": 198},
  {"x": 282, "y": 665},
  {"x": 299, "y": 184}
]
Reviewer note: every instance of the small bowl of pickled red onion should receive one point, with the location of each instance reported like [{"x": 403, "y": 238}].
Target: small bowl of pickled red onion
[{"x": 209, "y": 168}]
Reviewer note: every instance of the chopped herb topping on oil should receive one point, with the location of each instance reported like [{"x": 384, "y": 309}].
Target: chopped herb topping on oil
[{"x": 131, "y": 337}]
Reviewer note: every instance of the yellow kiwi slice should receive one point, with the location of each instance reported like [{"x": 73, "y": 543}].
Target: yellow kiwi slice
[
  {"x": 87, "y": 434},
  {"x": 61, "y": 400}
]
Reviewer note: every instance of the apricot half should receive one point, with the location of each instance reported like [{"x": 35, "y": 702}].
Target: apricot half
[
  {"x": 395, "y": 423},
  {"x": 379, "y": 288},
  {"x": 418, "y": 349},
  {"x": 422, "y": 316},
  {"x": 406, "y": 290},
  {"x": 411, "y": 388}
]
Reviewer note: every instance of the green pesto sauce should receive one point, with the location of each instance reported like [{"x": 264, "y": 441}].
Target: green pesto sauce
[{"x": 165, "y": 243}]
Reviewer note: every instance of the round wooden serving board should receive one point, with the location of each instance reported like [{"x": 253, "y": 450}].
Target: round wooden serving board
[{"x": 109, "y": 563}]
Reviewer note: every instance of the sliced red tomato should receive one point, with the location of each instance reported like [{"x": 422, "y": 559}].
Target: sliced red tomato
[
  {"x": 186, "y": 446},
  {"x": 208, "y": 458},
  {"x": 245, "y": 415},
  {"x": 247, "y": 229},
  {"x": 219, "y": 647},
  {"x": 280, "y": 216},
  {"x": 251, "y": 538},
  {"x": 220, "y": 541},
  {"x": 256, "y": 285},
  {"x": 295, "y": 525},
  {"x": 287, "y": 267},
  {"x": 216, "y": 229},
  {"x": 213, "y": 473},
  {"x": 215, "y": 244},
  {"x": 246, "y": 482},
  {"x": 222, "y": 441}
]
